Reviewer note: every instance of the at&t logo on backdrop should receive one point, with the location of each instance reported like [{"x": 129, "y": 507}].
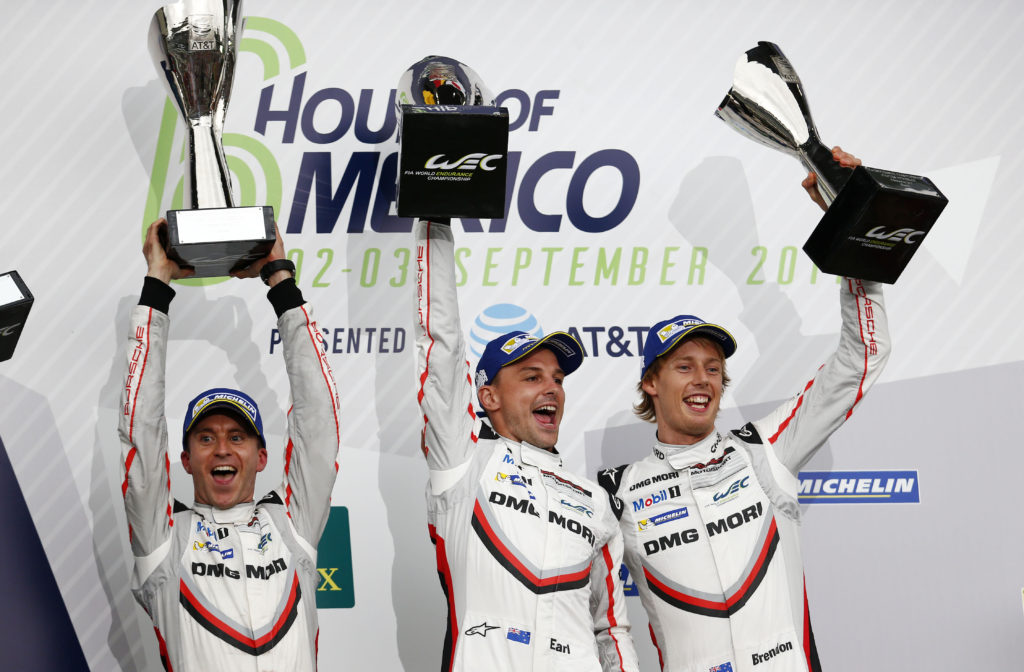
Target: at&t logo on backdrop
[{"x": 499, "y": 319}]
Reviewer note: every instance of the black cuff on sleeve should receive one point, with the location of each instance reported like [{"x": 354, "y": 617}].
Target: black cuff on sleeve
[
  {"x": 156, "y": 294},
  {"x": 284, "y": 296}
]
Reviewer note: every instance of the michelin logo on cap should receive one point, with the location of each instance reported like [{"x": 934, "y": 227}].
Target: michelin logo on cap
[{"x": 234, "y": 399}]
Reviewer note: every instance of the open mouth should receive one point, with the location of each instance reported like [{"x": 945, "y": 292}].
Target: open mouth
[
  {"x": 223, "y": 474},
  {"x": 697, "y": 402},
  {"x": 545, "y": 415}
]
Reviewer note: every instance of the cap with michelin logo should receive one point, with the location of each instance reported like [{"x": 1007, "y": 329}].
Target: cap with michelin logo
[
  {"x": 235, "y": 403},
  {"x": 665, "y": 335},
  {"x": 513, "y": 346}
]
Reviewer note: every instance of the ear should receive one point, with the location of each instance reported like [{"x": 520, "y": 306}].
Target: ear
[
  {"x": 489, "y": 399},
  {"x": 186, "y": 461},
  {"x": 650, "y": 385},
  {"x": 261, "y": 460}
]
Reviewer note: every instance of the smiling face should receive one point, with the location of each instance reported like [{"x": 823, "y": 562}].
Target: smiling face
[
  {"x": 686, "y": 391},
  {"x": 223, "y": 459},
  {"x": 526, "y": 399}
]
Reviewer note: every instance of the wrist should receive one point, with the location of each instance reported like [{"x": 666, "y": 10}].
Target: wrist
[
  {"x": 277, "y": 270},
  {"x": 163, "y": 275},
  {"x": 279, "y": 276}
]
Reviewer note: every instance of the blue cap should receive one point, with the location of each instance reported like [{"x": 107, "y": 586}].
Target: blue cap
[
  {"x": 667, "y": 334},
  {"x": 235, "y": 403},
  {"x": 515, "y": 345}
]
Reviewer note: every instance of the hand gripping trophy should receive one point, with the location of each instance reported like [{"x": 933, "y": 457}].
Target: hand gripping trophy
[
  {"x": 876, "y": 218},
  {"x": 194, "y": 45}
]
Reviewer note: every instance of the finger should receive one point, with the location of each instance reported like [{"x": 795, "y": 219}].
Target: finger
[
  {"x": 277, "y": 250},
  {"x": 152, "y": 233},
  {"x": 845, "y": 159}
]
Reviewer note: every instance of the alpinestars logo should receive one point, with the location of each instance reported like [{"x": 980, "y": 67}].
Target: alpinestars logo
[{"x": 468, "y": 162}]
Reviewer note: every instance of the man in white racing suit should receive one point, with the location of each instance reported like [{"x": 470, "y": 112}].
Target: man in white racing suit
[
  {"x": 229, "y": 582},
  {"x": 527, "y": 553},
  {"x": 710, "y": 519}
]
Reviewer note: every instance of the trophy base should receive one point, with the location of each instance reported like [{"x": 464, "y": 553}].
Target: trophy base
[
  {"x": 875, "y": 225},
  {"x": 15, "y": 302},
  {"x": 217, "y": 241},
  {"x": 452, "y": 162}
]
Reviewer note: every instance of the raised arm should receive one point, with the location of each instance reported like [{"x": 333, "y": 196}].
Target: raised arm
[
  {"x": 799, "y": 427},
  {"x": 142, "y": 427},
  {"x": 445, "y": 388},
  {"x": 802, "y": 425},
  {"x": 314, "y": 435},
  {"x": 311, "y": 451}
]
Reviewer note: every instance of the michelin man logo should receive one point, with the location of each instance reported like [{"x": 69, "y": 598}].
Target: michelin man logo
[
  {"x": 500, "y": 319},
  {"x": 513, "y": 344}
]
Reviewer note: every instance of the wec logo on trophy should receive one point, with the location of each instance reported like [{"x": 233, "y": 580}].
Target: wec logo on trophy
[
  {"x": 908, "y": 236},
  {"x": 468, "y": 162}
]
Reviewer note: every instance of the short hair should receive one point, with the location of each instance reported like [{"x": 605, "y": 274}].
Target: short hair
[{"x": 644, "y": 409}]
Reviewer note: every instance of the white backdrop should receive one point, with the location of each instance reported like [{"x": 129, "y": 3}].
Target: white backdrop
[{"x": 601, "y": 89}]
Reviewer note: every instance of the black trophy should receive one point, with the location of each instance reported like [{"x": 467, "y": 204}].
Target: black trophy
[
  {"x": 454, "y": 143},
  {"x": 876, "y": 219},
  {"x": 15, "y": 302}
]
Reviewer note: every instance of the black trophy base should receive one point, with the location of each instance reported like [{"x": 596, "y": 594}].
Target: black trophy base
[
  {"x": 15, "y": 302},
  {"x": 452, "y": 162},
  {"x": 217, "y": 241},
  {"x": 875, "y": 225}
]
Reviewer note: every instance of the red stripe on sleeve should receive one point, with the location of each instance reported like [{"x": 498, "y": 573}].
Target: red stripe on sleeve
[
  {"x": 610, "y": 585},
  {"x": 785, "y": 423},
  {"x": 863, "y": 341}
]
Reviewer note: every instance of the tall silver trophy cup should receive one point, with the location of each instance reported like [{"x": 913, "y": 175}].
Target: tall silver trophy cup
[
  {"x": 194, "y": 45},
  {"x": 876, "y": 219}
]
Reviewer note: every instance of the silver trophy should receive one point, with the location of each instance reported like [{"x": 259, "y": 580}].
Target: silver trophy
[
  {"x": 876, "y": 218},
  {"x": 194, "y": 45}
]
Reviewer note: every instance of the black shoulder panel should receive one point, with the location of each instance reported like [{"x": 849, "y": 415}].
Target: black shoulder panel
[
  {"x": 487, "y": 432},
  {"x": 610, "y": 480},
  {"x": 272, "y": 498},
  {"x": 748, "y": 434}
]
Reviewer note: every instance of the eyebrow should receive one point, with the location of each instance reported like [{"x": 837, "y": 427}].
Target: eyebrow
[
  {"x": 691, "y": 358},
  {"x": 539, "y": 370}
]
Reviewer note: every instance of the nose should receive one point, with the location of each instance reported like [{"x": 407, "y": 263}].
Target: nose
[
  {"x": 552, "y": 388},
  {"x": 223, "y": 446}
]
